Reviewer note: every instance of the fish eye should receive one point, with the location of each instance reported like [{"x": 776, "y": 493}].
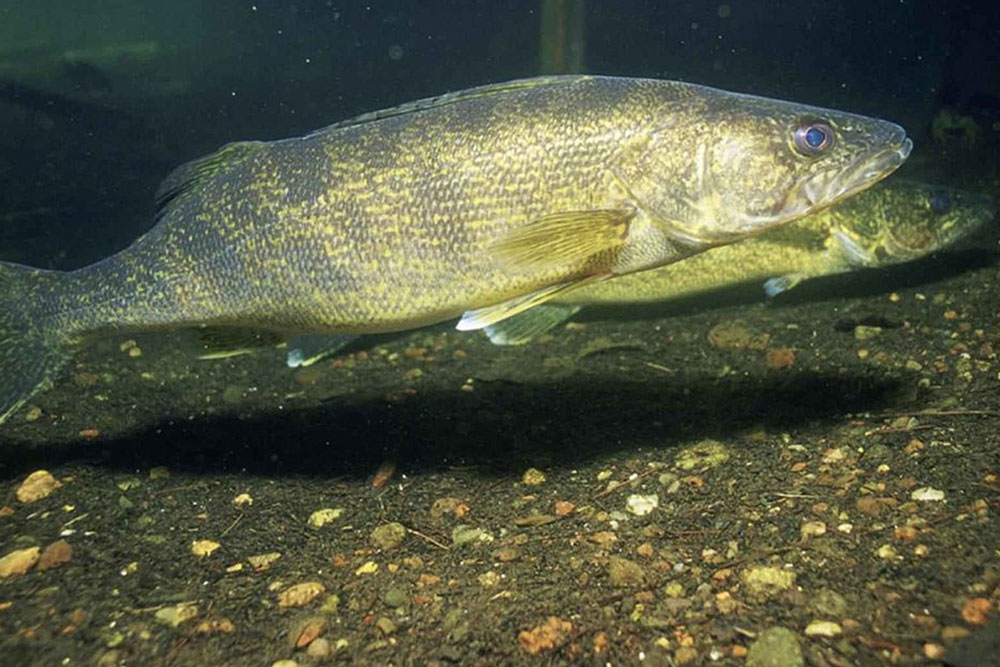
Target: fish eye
[
  {"x": 813, "y": 138},
  {"x": 940, "y": 203}
]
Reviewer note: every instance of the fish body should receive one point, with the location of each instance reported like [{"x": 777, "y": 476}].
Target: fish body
[
  {"x": 892, "y": 222},
  {"x": 480, "y": 203}
]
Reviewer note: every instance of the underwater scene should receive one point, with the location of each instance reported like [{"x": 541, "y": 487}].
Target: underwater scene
[{"x": 499, "y": 333}]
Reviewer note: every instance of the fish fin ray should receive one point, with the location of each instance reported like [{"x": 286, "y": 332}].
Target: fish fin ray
[
  {"x": 437, "y": 101},
  {"x": 307, "y": 350},
  {"x": 564, "y": 238},
  {"x": 189, "y": 175},
  {"x": 483, "y": 317},
  {"x": 775, "y": 286},
  {"x": 857, "y": 257},
  {"x": 225, "y": 342},
  {"x": 31, "y": 354},
  {"x": 522, "y": 328}
]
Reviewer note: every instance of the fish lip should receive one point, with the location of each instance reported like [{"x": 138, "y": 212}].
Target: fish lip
[{"x": 869, "y": 171}]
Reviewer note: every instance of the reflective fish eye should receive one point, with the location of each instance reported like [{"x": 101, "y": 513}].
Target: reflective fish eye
[
  {"x": 813, "y": 138},
  {"x": 940, "y": 203}
]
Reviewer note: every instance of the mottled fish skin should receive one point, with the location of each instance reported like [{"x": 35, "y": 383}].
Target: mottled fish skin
[
  {"x": 408, "y": 216},
  {"x": 895, "y": 221}
]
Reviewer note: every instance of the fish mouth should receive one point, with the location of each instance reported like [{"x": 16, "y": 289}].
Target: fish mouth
[{"x": 820, "y": 192}]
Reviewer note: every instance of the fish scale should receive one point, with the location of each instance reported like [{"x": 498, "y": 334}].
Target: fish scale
[{"x": 480, "y": 203}]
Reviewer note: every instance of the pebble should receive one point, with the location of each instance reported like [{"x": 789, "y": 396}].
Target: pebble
[
  {"x": 887, "y": 552},
  {"x": 625, "y": 572},
  {"x": 204, "y": 548},
  {"x": 702, "y": 456},
  {"x": 820, "y": 628},
  {"x": 261, "y": 562},
  {"x": 174, "y": 616},
  {"x": 243, "y": 499},
  {"x": 828, "y": 602},
  {"x": 36, "y": 486},
  {"x": 641, "y": 505},
  {"x": 300, "y": 595},
  {"x": 775, "y": 647},
  {"x": 863, "y": 332},
  {"x": 319, "y": 648},
  {"x": 18, "y": 562},
  {"x": 56, "y": 554},
  {"x": 464, "y": 534},
  {"x": 159, "y": 472},
  {"x": 766, "y": 581},
  {"x": 927, "y": 493},
  {"x": 368, "y": 567},
  {"x": 812, "y": 529},
  {"x": 533, "y": 477},
  {"x": 396, "y": 597},
  {"x": 321, "y": 517},
  {"x": 385, "y": 626},
  {"x": 389, "y": 535}
]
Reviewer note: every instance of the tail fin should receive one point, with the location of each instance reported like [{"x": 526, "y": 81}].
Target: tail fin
[{"x": 32, "y": 348}]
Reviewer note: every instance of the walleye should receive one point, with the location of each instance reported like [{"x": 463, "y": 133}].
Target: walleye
[
  {"x": 893, "y": 222},
  {"x": 481, "y": 203}
]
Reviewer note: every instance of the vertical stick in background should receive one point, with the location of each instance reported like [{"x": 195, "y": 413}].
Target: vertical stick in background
[{"x": 563, "y": 36}]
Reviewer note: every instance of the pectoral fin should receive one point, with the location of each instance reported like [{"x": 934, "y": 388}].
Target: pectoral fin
[
  {"x": 568, "y": 238},
  {"x": 856, "y": 255},
  {"x": 521, "y": 328},
  {"x": 225, "y": 342},
  {"x": 484, "y": 317}
]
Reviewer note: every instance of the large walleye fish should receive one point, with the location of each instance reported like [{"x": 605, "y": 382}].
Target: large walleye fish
[
  {"x": 893, "y": 222},
  {"x": 480, "y": 203}
]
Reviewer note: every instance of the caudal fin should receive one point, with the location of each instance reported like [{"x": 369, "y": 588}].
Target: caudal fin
[{"x": 32, "y": 349}]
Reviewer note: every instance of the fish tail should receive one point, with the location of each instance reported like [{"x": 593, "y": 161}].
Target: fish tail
[{"x": 32, "y": 347}]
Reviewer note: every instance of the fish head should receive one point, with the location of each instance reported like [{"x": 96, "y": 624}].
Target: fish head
[
  {"x": 724, "y": 166},
  {"x": 905, "y": 220}
]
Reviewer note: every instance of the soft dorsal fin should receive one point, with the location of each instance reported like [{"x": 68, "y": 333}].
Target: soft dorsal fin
[
  {"x": 187, "y": 176},
  {"x": 490, "y": 90}
]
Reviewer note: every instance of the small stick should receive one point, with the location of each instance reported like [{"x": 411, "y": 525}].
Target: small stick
[{"x": 428, "y": 538}]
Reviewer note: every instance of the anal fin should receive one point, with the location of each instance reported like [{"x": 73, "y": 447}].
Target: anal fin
[
  {"x": 225, "y": 342},
  {"x": 484, "y": 317}
]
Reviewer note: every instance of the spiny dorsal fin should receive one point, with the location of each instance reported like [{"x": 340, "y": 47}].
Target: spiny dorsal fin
[
  {"x": 187, "y": 176},
  {"x": 567, "y": 238},
  {"x": 521, "y": 328},
  {"x": 484, "y": 317},
  {"x": 446, "y": 99}
]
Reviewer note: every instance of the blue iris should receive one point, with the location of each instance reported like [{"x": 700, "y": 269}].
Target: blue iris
[
  {"x": 815, "y": 137},
  {"x": 940, "y": 203}
]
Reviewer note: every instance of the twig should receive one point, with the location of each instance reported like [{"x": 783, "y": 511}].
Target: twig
[
  {"x": 608, "y": 491},
  {"x": 879, "y": 642},
  {"x": 941, "y": 413},
  {"x": 232, "y": 525},
  {"x": 428, "y": 538},
  {"x": 660, "y": 367}
]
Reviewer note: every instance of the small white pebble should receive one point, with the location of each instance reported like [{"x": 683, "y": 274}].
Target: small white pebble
[{"x": 927, "y": 493}]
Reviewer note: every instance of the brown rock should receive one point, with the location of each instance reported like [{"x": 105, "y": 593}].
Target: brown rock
[
  {"x": 300, "y": 595},
  {"x": 56, "y": 554},
  {"x": 550, "y": 634}
]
